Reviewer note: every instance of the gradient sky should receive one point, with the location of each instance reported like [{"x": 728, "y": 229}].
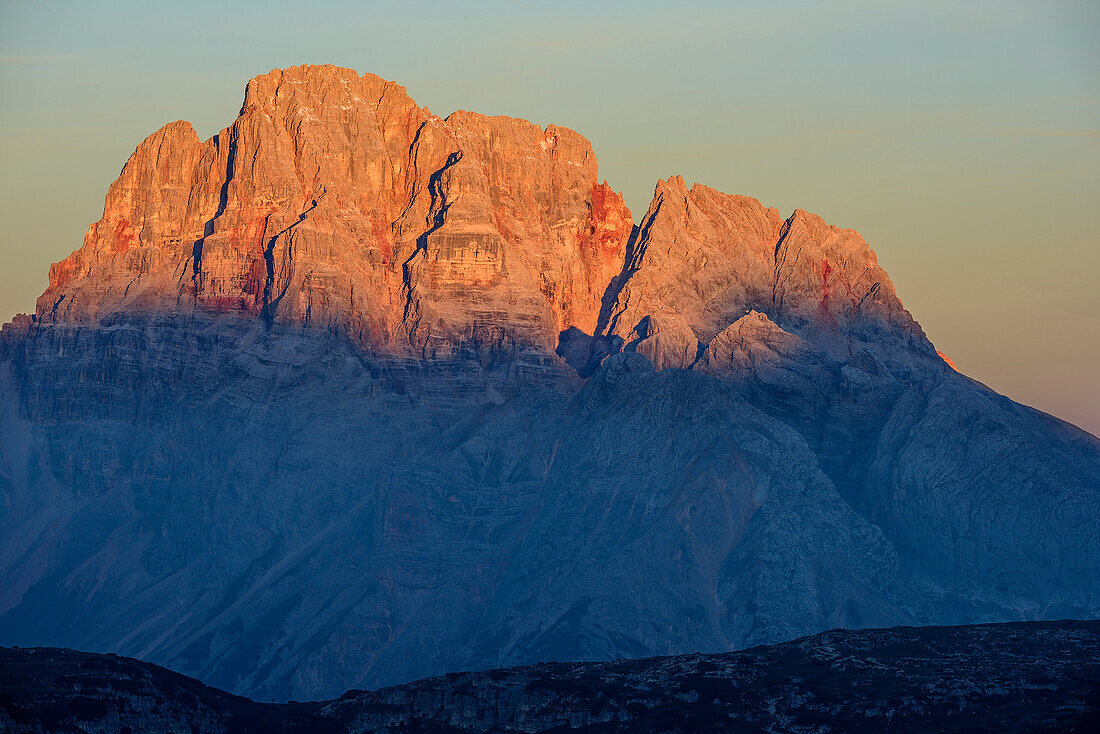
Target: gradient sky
[{"x": 962, "y": 139}]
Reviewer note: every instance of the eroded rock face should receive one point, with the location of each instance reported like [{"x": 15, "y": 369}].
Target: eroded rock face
[
  {"x": 665, "y": 339},
  {"x": 350, "y": 394},
  {"x": 336, "y": 203},
  {"x": 712, "y": 257}
]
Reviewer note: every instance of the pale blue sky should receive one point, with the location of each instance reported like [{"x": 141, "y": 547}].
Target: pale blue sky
[{"x": 962, "y": 139}]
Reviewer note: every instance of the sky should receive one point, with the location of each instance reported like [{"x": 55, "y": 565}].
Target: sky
[{"x": 962, "y": 139}]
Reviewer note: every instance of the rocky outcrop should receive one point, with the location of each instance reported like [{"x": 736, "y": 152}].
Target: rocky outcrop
[
  {"x": 351, "y": 394},
  {"x": 665, "y": 339},
  {"x": 711, "y": 258}
]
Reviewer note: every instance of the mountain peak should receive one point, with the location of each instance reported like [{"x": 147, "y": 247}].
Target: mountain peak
[
  {"x": 299, "y": 415},
  {"x": 335, "y": 202}
]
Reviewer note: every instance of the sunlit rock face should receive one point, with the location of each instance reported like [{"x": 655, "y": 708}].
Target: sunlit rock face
[
  {"x": 350, "y": 394},
  {"x": 335, "y": 203}
]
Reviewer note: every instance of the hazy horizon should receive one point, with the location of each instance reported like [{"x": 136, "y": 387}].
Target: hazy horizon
[{"x": 963, "y": 144}]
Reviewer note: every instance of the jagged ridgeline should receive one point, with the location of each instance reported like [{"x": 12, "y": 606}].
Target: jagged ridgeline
[{"x": 350, "y": 394}]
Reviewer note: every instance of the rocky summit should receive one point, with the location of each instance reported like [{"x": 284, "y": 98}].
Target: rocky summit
[
  {"x": 351, "y": 394},
  {"x": 336, "y": 204}
]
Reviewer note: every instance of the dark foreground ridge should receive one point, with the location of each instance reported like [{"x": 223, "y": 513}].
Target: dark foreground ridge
[{"x": 1016, "y": 677}]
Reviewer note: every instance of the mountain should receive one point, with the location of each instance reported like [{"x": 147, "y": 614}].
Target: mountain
[
  {"x": 350, "y": 394},
  {"x": 1021, "y": 677}
]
